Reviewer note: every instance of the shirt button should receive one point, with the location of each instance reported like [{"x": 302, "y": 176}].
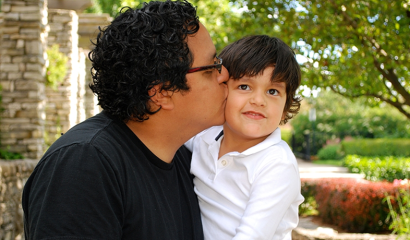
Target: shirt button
[{"x": 224, "y": 162}]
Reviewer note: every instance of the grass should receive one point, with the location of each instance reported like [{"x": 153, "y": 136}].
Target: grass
[{"x": 337, "y": 163}]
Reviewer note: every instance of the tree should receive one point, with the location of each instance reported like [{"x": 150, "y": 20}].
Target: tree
[
  {"x": 357, "y": 48},
  {"x": 217, "y": 16}
]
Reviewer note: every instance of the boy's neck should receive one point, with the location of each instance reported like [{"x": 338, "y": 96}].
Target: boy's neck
[{"x": 234, "y": 142}]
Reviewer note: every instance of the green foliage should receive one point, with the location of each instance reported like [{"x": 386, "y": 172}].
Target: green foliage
[
  {"x": 347, "y": 43},
  {"x": 330, "y": 152},
  {"x": 338, "y": 117},
  {"x": 400, "y": 215},
  {"x": 379, "y": 168},
  {"x": 57, "y": 67},
  {"x": 337, "y": 163},
  {"x": 343, "y": 117},
  {"x": 377, "y": 147},
  {"x": 112, "y": 7},
  {"x": 309, "y": 206},
  {"x": 5, "y": 154},
  {"x": 286, "y": 135},
  {"x": 217, "y": 16}
]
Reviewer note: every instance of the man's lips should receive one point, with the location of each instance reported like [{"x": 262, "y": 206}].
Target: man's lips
[{"x": 254, "y": 115}]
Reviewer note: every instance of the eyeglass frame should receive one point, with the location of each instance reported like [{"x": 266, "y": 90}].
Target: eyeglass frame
[{"x": 217, "y": 66}]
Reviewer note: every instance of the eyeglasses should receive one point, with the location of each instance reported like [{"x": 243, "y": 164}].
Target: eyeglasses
[{"x": 217, "y": 66}]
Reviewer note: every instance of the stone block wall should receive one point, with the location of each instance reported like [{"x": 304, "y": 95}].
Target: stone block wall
[
  {"x": 13, "y": 176},
  {"x": 22, "y": 67},
  {"x": 32, "y": 110}
]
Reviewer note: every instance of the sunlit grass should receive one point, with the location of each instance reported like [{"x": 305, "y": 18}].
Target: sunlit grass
[{"x": 338, "y": 163}]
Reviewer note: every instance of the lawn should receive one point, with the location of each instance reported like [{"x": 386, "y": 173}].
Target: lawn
[{"x": 337, "y": 163}]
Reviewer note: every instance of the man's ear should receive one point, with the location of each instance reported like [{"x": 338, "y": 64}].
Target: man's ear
[{"x": 161, "y": 98}]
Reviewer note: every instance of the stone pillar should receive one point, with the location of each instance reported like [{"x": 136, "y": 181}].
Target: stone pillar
[
  {"x": 1, "y": 32},
  {"x": 61, "y": 109},
  {"x": 88, "y": 30},
  {"x": 22, "y": 76},
  {"x": 82, "y": 85}
]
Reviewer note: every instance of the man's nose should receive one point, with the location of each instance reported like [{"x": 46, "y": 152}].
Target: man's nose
[{"x": 223, "y": 76}]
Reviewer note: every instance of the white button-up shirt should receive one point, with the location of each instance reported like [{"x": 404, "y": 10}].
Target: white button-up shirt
[{"x": 250, "y": 195}]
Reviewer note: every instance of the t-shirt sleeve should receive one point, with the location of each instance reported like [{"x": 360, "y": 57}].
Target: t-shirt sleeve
[
  {"x": 73, "y": 193},
  {"x": 273, "y": 194}
]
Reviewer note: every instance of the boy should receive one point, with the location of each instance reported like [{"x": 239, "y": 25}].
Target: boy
[{"x": 246, "y": 177}]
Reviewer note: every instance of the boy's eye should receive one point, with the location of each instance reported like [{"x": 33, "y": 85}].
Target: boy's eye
[
  {"x": 273, "y": 92},
  {"x": 243, "y": 87}
]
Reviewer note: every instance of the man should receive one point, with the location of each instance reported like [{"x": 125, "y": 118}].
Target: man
[{"x": 122, "y": 174}]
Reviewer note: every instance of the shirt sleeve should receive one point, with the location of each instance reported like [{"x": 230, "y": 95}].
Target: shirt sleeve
[
  {"x": 273, "y": 195},
  {"x": 74, "y": 193},
  {"x": 190, "y": 144}
]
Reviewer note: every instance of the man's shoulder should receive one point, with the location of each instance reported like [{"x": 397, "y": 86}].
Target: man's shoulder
[
  {"x": 82, "y": 133},
  {"x": 101, "y": 134}
]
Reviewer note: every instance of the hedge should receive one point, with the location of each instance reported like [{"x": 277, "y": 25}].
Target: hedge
[
  {"x": 399, "y": 147},
  {"x": 355, "y": 205},
  {"x": 330, "y": 152},
  {"x": 379, "y": 168}
]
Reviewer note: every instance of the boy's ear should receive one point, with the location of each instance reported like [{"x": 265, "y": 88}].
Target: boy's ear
[{"x": 161, "y": 98}]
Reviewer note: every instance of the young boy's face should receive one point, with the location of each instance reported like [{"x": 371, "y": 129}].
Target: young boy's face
[{"x": 255, "y": 106}]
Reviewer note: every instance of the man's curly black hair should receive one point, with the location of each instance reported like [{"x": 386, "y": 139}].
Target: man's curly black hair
[{"x": 141, "y": 48}]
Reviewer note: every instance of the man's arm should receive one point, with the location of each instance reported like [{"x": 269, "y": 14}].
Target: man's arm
[{"x": 73, "y": 193}]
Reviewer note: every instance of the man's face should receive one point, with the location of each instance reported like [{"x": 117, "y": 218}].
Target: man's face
[
  {"x": 203, "y": 105},
  {"x": 254, "y": 107}
]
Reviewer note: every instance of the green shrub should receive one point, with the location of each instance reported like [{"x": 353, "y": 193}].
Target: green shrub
[
  {"x": 340, "y": 116},
  {"x": 286, "y": 135},
  {"x": 379, "y": 168},
  {"x": 57, "y": 67},
  {"x": 330, "y": 152},
  {"x": 377, "y": 147},
  {"x": 399, "y": 208},
  {"x": 309, "y": 206},
  {"x": 4, "y": 154}
]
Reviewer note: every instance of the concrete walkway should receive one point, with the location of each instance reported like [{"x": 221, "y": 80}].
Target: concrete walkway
[{"x": 311, "y": 170}]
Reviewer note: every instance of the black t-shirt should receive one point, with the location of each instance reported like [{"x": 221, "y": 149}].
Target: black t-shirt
[{"x": 99, "y": 181}]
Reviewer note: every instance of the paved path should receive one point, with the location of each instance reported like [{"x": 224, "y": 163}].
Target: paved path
[{"x": 311, "y": 170}]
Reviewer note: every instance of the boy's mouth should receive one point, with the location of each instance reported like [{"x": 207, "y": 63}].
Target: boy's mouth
[{"x": 254, "y": 115}]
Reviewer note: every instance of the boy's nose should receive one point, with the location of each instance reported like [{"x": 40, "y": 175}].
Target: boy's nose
[{"x": 258, "y": 99}]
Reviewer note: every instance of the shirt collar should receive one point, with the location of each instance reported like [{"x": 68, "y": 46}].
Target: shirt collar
[
  {"x": 272, "y": 139},
  {"x": 211, "y": 137}
]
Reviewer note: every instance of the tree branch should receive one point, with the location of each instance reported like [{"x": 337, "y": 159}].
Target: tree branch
[
  {"x": 396, "y": 104},
  {"x": 394, "y": 80}
]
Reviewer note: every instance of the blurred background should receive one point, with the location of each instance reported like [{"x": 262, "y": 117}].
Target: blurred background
[
  {"x": 355, "y": 114},
  {"x": 355, "y": 59}
]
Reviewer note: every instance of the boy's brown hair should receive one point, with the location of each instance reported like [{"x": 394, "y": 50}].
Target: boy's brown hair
[{"x": 251, "y": 55}]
